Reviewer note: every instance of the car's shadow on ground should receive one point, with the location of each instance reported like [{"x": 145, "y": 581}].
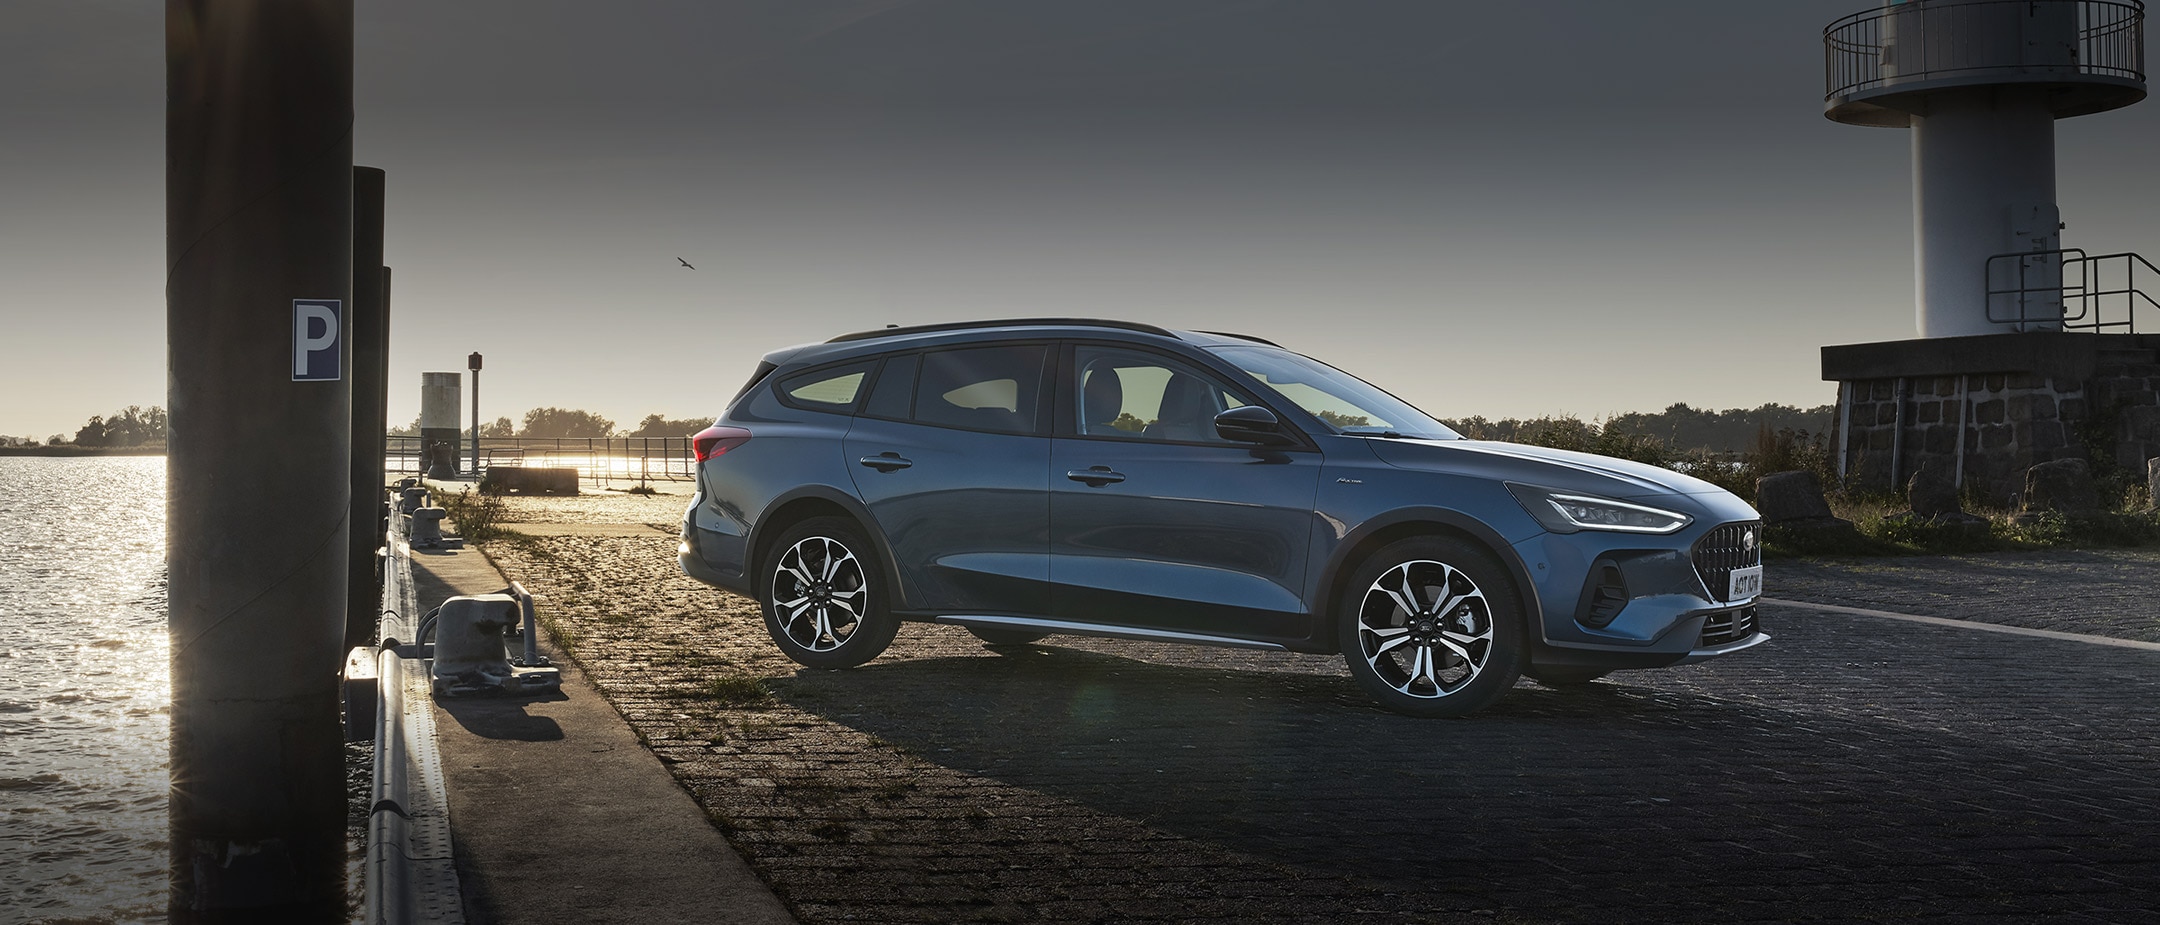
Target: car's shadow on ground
[{"x": 1597, "y": 802}]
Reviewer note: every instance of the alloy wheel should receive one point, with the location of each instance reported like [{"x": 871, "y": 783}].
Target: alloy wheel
[
  {"x": 1425, "y": 628},
  {"x": 819, "y": 593}
]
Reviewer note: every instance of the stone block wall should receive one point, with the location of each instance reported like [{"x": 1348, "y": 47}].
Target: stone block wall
[
  {"x": 2006, "y": 423},
  {"x": 2130, "y": 393}
]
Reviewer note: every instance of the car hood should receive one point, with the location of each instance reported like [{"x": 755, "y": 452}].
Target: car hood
[{"x": 1536, "y": 465}]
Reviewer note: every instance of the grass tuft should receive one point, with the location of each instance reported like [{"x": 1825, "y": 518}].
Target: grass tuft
[
  {"x": 737, "y": 690},
  {"x": 474, "y": 514},
  {"x": 1879, "y": 531}
]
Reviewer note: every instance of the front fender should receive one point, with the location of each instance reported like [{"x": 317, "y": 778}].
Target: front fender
[{"x": 1345, "y": 556}]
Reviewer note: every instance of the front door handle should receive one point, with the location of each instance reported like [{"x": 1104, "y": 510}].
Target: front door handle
[
  {"x": 886, "y": 461},
  {"x": 1096, "y": 476}
]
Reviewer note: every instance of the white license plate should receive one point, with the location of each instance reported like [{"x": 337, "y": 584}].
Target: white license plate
[{"x": 1744, "y": 584}]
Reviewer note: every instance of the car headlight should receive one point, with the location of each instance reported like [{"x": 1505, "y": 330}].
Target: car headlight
[{"x": 1568, "y": 512}]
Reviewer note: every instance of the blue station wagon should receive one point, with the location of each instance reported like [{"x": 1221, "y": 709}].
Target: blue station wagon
[{"x": 1101, "y": 478}]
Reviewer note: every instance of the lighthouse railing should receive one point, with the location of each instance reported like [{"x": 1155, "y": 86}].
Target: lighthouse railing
[
  {"x": 2069, "y": 289},
  {"x": 2013, "y": 39}
]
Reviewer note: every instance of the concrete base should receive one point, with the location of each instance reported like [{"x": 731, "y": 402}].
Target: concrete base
[
  {"x": 530, "y": 480},
  {"x": 1991, "y": 406}
]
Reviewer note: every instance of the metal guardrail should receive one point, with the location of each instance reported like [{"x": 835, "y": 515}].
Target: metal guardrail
[
  {"x": 2101, "y": 38},
  {"x": 2075, "y": 290},
  {"x": 597, "y": 459},
  {"x": 410, "y": 875}
]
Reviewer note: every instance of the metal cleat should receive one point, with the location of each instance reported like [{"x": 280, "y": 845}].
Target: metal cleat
[{"x": 470, "y": 657}]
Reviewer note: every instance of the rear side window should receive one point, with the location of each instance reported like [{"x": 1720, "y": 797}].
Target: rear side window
[
  {"x": 981, "y": 388},
  {"x": 833, "y": 388}
]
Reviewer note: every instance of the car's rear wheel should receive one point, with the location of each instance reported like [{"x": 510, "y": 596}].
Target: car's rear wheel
[
  {"x": 823, "y": 596},
  {"x": 1565, "y": 676},
  {"x": 1004, "y": 637},
  {"x": 1432, "y": 626}
]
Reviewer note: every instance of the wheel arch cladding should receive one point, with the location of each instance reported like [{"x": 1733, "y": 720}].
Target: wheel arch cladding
[
  {"x": 803, "y": 504},
  {"x": 1375, "y": 535}
]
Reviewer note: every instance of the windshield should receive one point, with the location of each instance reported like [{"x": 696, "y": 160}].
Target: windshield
[{"x": 1343, "y": 401}]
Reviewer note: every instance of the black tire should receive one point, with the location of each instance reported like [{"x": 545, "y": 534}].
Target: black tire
[
  {"x": 1004, "y": 637},
  {"x": 1458, "y": 655},
  {"x": 823, "y": 593},
  {"x": 1565, "y": 675}
]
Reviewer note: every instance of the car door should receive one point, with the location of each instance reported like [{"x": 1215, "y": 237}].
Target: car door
[
  {"x": 950, "y": 456},
  {"x": 1156, "y": 521}
]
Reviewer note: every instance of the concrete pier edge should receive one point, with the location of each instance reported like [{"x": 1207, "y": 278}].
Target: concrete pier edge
[{"x": 411, "y": 874}]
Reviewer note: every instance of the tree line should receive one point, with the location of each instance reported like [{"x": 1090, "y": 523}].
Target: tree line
[
  {"x": 1678, "y": 428},
  {"x": 135, "y": 426},
  {"x": 131, "y": 426},
  {"x": 545, "y": 423}
]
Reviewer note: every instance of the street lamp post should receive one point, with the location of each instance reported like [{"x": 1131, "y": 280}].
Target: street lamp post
[{"x": 473, "y": 363}]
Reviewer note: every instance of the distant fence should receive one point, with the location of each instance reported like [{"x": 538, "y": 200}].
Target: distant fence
[{"x": 597, "y": 459}]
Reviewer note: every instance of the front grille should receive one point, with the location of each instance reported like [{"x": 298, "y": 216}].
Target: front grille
[
  {"x": 1728, "y": 547},
  {"x": 1730, "y": 626}
]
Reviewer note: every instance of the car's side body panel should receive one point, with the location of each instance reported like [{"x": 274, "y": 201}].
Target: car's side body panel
[
  {"x": 1208, "y": 539},
  {"x": 966, "y": 518}
]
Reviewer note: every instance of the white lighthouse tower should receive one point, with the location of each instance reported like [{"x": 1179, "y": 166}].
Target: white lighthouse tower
[
  {"x": 2028, "y": 352},
  {"x": 1981, "y": 83}
]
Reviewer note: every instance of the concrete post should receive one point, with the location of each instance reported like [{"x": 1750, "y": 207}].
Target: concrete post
[
  {"x": 258, "y": 234},
  {"x": 370, "y": 396},
  {"x": 439, "y": 424}
]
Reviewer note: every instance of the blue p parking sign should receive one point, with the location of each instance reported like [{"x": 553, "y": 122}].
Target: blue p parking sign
[{"x": 315, "y": 354}]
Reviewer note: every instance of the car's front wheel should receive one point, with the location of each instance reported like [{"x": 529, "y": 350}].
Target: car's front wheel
[
  {"x": 1432, "y": 626},
  {"x": 823, "y": 595}
]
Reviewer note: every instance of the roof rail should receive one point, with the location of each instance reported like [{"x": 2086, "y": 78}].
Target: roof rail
[
  {"x": 896, "y": 330},
  {"x": 1257, "y": 340}
]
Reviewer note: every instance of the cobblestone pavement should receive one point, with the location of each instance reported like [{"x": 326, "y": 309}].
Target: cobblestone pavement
[
  {"x": 1853, "y": 769},
  {"x": 2104, "y": 592}
]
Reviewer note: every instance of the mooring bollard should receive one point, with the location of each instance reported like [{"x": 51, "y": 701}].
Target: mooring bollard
[
  {"x": 412, "y": 499},
  {"x": 427, "y": 527},
  {"x": 470, "y": 657}
]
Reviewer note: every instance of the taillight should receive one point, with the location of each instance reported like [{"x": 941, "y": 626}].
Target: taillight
[{"x": 715, "y": 440}]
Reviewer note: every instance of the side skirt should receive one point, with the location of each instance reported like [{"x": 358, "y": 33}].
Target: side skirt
[{"x": 1106, "y": 632}]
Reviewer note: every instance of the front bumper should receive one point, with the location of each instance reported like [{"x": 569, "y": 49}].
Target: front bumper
[
  {"x": 1707, "y": 653},
  {"x": 1617, "y": 601}
]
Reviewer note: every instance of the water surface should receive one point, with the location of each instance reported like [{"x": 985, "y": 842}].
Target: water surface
[{"x": 83, "y": 689}]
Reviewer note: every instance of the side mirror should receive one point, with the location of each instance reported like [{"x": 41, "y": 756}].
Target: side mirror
[{"x": 1251, "y": 424}]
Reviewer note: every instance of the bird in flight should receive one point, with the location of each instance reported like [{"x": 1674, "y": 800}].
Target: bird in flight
[{"x": 684, "y": 262}]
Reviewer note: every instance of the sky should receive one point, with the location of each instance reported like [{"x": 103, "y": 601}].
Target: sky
[{"x": 1499, "y": 209}]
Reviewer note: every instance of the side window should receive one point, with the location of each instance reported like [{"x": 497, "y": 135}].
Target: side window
[
  {"x": 833, "y": 388},
  {"x": 981, "y": 388},
  {"x": 894, "y": 392},
  {"x": 1134, "y": 395}
]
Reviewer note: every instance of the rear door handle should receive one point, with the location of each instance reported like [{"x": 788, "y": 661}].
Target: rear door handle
[
  {"x": 1096, "y": 476},
  {"x": 886, "y": 462}
]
